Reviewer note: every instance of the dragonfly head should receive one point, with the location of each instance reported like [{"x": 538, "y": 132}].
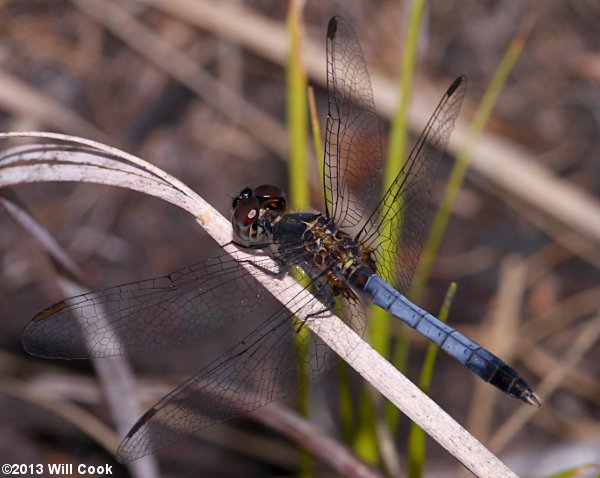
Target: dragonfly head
[{"x": 253, "y": 209}]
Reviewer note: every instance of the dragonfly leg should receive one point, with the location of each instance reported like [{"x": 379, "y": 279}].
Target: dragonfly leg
[{"x": 313, "y": 315}]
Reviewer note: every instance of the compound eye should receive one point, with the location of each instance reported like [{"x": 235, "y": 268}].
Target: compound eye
[
  {"x": 243, "y": 194},
  {"x": 270, "y": 197},
  {"x": 245, "y": 214}
]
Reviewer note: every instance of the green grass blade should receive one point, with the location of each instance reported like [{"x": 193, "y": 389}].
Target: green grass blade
[
  {"x": 364, "y": 440},
  {"x": 380, "y": 321},
  {"x": 462, "y": 161},
  {"x": 380, "y": 327},
  {"x": 578, "y": 470},
  {"x": 416, "y": 438},
  {"x": 316, "y": 132},
  {"x": 297, "y": 120},
  {"x": 297, "y": 113}
]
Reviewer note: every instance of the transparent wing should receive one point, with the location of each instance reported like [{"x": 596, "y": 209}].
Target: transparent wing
[
  {"x": 261, "y": 368},
  {"x": 398, "y": 222},
  {"x": 353, "y": 154},
  {"x": 149, "y": 314},
  {"x": 181, "y": 306}
]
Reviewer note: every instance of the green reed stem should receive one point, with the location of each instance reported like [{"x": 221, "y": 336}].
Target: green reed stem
[
  {"x": 380, "y": 326},
  {"x": 457, "y": 175},
  {"x": 297, "y": 119}
]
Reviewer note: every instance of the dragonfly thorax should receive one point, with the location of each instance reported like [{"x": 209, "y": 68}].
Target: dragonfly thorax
[{"x": 326, "y": 251}]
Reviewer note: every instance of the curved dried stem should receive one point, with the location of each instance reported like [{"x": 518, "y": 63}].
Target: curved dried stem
[{"x": 80, "y": 159}]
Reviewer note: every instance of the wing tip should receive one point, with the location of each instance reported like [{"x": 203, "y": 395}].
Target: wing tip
[
  {"x": 455, "y": 84},
  {"x": 125, "y": 454},
  {"x": 129, "y": 449},
  {"x": 332, "y": 26},
  {"x": 29, "y": 339}
]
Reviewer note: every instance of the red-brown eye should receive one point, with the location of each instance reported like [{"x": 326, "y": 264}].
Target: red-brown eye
[
  {"x": 244, "y": 194},
  {"x": 245, "y": 214},
  {"x": 270, "y": 197}
]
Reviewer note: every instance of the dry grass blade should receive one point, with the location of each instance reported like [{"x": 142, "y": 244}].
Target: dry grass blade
[{"x": 89, "y": 161}]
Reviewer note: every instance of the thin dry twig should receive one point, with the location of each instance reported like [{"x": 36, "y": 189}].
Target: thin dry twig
[
  {"x": 89, "y": 161},
  {"x": 17, "y": 211}
]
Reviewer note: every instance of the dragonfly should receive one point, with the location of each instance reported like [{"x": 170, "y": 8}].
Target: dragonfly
[{"x": 346, "y": 256}]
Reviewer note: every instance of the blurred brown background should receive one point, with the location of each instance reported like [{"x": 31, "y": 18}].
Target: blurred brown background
[{"x": 527, "y": 275}]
